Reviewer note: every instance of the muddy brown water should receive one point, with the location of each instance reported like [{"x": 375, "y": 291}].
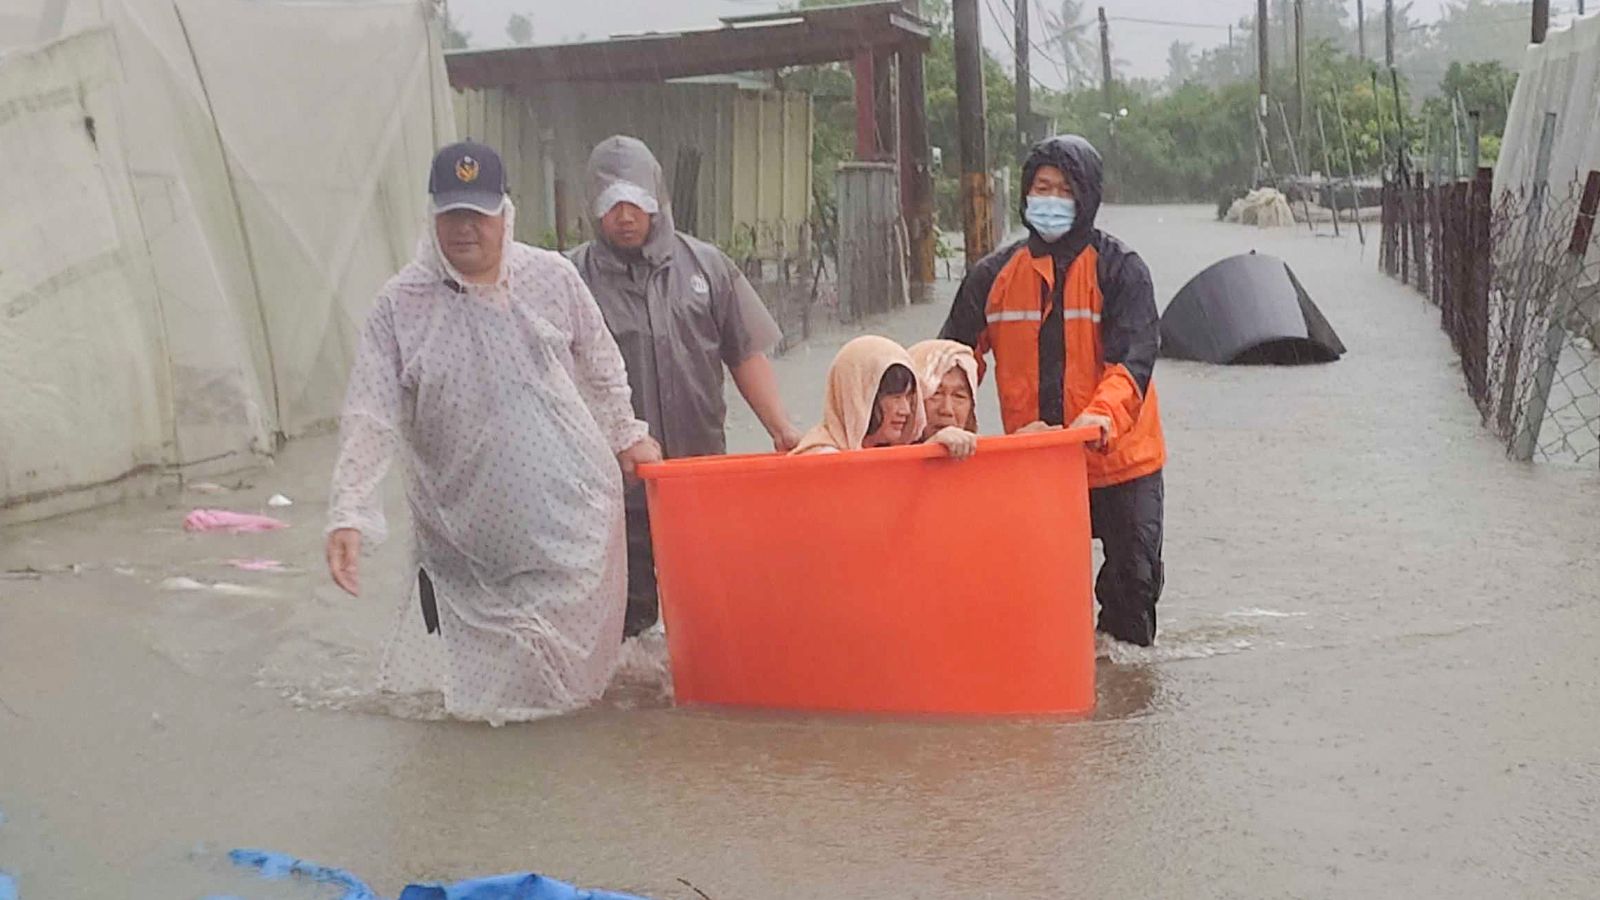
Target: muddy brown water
[{"x": 1377, "y": 676}]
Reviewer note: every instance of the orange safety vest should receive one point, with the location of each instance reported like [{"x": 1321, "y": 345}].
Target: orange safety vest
[{"x": 1015, "y": 312}]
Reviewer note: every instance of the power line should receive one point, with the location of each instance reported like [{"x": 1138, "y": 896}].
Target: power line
[
  {"x": 1011, "y": 46},
  {"x": 1167, "y": 22},
  {"x": 1061, "y": 67},
  {"x": 1508, "y": 20}
]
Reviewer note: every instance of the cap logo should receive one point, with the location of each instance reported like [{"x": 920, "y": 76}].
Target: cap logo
[{"x": 467, "y": 170}]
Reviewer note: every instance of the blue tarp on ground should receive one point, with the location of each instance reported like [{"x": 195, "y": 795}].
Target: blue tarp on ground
[
  {"x": 280, "y": 865},
  {"x": 519, "y": 886},
  {"x": 522, "y": 886},
  {"x": 8, "y": 885}
]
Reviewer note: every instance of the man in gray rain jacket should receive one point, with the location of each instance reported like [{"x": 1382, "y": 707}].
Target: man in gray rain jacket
[{"x": 680, "y": 310}]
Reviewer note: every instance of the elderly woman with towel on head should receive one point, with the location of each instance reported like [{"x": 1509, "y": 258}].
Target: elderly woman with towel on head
[
  {"x": 950, "y": 374},
  {"x": 876, "y": 399}
]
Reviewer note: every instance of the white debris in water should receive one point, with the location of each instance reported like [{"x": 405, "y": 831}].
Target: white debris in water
[
  {"x": 643, "y": 676},
  {"x": 1253, "y": 612},
  {"x": 1173, "y": 645},
  {"x": 183, "y": 583},
  {"x": 240, "y": 590},
  {"x": 279, "y": 501}
]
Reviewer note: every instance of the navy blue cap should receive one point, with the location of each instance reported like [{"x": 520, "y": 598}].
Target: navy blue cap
[{"x": 468, "y": 175}]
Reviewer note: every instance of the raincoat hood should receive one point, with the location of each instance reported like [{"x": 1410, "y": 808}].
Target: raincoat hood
[
  {"x": 853, "y": 391},
  {"x": 625, "y": 159},
  {"x": 932, "y": 360},
  {"x": 1078, "y": 158}
]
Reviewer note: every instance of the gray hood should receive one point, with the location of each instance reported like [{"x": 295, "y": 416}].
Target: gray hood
[{"x": 622, "y": 158}]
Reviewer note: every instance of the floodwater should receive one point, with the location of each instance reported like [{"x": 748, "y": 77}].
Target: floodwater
[{"x": 1377, "y": 677}]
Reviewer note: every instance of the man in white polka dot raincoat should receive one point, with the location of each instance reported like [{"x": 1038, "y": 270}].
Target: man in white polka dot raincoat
[{"x": 487, "y": 366}]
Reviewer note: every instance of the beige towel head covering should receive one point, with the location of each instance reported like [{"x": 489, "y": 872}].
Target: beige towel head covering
[
  {"x": 853, "y": 391},
  {"x": 932, "y": 360}
]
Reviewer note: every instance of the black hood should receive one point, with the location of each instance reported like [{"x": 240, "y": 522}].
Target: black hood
[{"x": 1074, "y": 155}]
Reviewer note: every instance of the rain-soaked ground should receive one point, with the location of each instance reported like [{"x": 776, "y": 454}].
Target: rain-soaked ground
[{"x": 1377, "y": 677}]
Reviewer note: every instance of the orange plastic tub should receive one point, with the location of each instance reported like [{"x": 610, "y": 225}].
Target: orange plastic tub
[{"x": 894, "y": 580}]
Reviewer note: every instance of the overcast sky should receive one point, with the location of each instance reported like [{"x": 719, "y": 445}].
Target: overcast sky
[{"x": 1142, "y": 45}]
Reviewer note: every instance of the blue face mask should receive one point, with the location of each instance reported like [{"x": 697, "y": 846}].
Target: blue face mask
[{"x": 1052, "y": 217}]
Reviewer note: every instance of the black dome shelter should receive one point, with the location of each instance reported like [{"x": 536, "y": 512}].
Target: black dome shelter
[{"x": 1247, "y": 310}]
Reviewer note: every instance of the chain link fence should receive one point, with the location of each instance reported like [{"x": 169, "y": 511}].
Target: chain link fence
[{"x": 1516, "y": 279}]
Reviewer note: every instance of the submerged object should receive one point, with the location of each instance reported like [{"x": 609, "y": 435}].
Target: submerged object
[{"x": 1247, "y": 309}]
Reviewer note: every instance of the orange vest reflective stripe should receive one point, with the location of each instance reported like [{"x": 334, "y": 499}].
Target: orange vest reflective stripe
[{"x": 1015, "y": 312}]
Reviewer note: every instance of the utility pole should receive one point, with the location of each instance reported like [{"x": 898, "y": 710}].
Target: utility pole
[
  {"x": 1361, "y": 30},
  {"x": 1388, "y": 34},
  {"x": 1541, "y": 20},
  {"x": 1024, "y": 89},
  {"x": 976, "y": 219},
  {"x": 1300, "y": 71},
  {"x": 1262, "y": 70},
  {"x": 1105, "y": 60},
  {"x": 1283, "y": 22},
  {"x": 916, "y": 172},
  {"x": 1263, "y": 73}
]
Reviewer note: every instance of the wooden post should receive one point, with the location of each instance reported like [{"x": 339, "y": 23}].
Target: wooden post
[
  {"x": 1300, "y": 70},
  {"x": 884, "y": 105},
  {"x": 1361, "y": 30},
  {"x": 1383, "y": 140},
  {"x": 1262, "y": 70},
  {"x": 1388, "y": 34},
  {"x": 1024, "y": 88},
  {"x": 1105, "y": 62},
  {"x": 1263, "y": 77},
  {"x": 1419, "y": 243},
  {"x": 1476, "y": 360},
  {"x": 1327, "y": 163},
  {"x": 1350, "y": 165},
  {"x": 871, "y": 267},
  {"x": 1402, "y": 142},
  {"x": 1474, "y": 140},
  {"x": 1457, "y": 106},
  {"x": 1294, "y": 157},
  {"x": 976, "y": 194},
  {"x": 867, "y": 141},
  {"x": 560, "y": 191},
  {"x": 916, "y": 174}
]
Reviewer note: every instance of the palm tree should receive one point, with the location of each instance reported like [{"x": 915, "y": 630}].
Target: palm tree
[{"x": 1075, "y": 36}]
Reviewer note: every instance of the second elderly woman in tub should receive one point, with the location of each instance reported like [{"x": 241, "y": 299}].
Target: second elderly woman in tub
[
  {"x": 948, "y": 371},
  {"x": 875, "y": 400}
]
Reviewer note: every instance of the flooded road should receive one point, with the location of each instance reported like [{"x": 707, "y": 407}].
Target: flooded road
[{"x": 1376, "y": 677}]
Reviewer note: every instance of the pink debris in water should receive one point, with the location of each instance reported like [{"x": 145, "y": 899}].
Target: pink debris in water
[
  {"x": 231, "y": 522},
  {"x": 258, "y": 565}
]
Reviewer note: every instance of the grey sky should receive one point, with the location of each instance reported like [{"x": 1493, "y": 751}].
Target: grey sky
[{"x": 1143, "y": 46}]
